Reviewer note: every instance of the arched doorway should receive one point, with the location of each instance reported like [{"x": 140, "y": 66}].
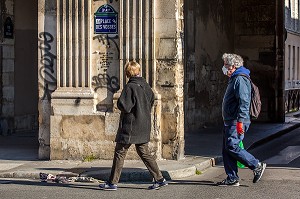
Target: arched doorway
[{"x": 243, "y": 27}]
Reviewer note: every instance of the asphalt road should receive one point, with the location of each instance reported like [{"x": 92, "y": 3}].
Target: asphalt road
[{"x": 281, "y": 180}]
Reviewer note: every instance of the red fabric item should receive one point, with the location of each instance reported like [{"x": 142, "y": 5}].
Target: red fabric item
[{"x": 239, "y": 128}]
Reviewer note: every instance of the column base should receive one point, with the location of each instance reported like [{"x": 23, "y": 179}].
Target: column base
[{"x": 73, "y": 101}]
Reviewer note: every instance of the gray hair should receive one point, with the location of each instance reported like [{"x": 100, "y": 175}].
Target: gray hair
[{"x": 233, "y": 59}]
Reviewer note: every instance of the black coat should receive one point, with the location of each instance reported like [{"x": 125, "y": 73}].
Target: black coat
[{"x": 135, "y": 105}]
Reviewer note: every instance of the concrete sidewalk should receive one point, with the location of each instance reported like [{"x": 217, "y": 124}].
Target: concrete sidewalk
[{"x": 18, "y": 159}]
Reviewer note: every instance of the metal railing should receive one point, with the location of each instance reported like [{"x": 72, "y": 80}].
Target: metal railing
[{"x": 292, "y": 100}]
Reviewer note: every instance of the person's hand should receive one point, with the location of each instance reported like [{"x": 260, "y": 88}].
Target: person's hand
[{"x": 239, "y": 128}]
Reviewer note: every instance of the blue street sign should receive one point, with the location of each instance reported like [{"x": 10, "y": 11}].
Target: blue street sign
[{"x": 106, "y": 20}]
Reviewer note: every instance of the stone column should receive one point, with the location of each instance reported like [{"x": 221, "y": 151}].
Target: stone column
[
  {"x": 46, "y": 71},
  {"x": 74, "y": 101},
  {"x": 73, "y": 60},
  {"x": 170, "y": 75}
]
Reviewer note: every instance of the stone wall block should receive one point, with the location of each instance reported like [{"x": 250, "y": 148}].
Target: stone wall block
[
  {"x": 55, "y": 126},
  {"x": 88, "y": 128},
  {"x": 112, "y": 123},
  {"x": 9, "y": 5},
  {"x": 8, "y": 52},
  {"x": 7, "y": 79},
  {"x": 8, "y": 65},
  {"x": 169, "y": 127},
  {"x": 169, "y": 28},
  {"x": 166, "y": 74},
  {"x": 155, "y": 144},
  {"x": 8, "y": 109},
  {"x": 88, "y": 138},
  {"x": 173, "y": 150},
  {"x": 8, "y": 94},
  {"x": 167, "y": 151},
  {"x": 76, "y": 106},
  {"x": 165, "y": 9},
  {"x": 167, "y": 48}
]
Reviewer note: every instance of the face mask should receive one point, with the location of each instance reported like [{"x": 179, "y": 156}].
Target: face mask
[{"x": 225, "y": 70}]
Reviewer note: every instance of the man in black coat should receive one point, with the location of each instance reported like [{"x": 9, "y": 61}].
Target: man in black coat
[{"x": 135, "y": 104}]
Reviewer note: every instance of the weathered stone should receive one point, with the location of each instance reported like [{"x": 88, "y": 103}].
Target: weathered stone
[{"x": 86, "y": 125}]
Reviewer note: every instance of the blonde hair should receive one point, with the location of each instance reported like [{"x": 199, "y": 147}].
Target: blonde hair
[{"x": 132, "y": 69}]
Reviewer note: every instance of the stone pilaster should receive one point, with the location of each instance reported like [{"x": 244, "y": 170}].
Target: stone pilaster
[
  {"x": 74, "y": 95},
  {"x": 170, "y": 75},
  {"x": 73, "y": 60}
]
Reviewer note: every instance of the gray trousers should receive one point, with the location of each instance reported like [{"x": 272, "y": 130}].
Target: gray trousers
[{"x": 143, "y": 152}]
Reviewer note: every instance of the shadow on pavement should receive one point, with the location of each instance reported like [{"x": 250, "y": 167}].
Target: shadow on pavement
[
  {"x": 206, "y": 142},
  {"x": 19, "y": 146}
]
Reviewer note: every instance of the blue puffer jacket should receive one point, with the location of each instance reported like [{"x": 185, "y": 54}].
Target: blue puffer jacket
[{"x": 236, "y": 101}]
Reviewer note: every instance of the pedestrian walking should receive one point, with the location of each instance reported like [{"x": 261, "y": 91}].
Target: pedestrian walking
[
  {"x": 135, "y": 105},
  {"x": 236, "y": 117}
]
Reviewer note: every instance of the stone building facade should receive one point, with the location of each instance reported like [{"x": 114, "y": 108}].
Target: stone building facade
[
  {"x": 292, "y": 55},
  {"x": 62, "y": 71},
  {"x": 86, "y": 65}
]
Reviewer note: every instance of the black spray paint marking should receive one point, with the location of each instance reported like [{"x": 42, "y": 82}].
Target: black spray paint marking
[
  {"x": 105, "y": 40},
  {"x": 46, "y": 71},
  {"x": 105, "y": 81}
]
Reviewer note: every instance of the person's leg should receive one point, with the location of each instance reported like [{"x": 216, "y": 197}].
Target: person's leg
[
  {"x": 242, "y": 155},
  {"x": 253, "y": 163},
  {"x": 230, "y": 164},
  {"x": 233, "y": 149},
  {"x": 149, "y": 161},
  {"x": 151, "y": 164},
  {"x": 118, "y": 162}
]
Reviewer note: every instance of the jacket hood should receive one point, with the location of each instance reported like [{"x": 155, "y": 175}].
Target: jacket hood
[{"x": 241, "y": 70}]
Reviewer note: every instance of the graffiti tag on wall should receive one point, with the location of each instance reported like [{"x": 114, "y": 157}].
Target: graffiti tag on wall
[
  {"x": 104, "y": 62},
  {"x": 105, "y": 81},
  {"x": 46, "y": 71}
]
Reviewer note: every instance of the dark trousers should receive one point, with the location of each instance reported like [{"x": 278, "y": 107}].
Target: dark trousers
[{"x": 143, "y": 152}]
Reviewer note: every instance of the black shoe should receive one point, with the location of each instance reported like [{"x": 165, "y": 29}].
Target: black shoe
[
  {"x": 226, "y": 182},
  {"x": 108, "y": 186},
  {"x": 158, "y": 185},
  {"x": 259, "y": 171}
]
